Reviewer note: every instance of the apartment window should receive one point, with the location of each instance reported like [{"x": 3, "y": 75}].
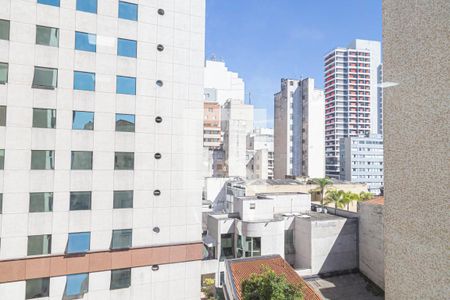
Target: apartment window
[
  {"x": 80, "y": 200},
  {"x": 81, "y": 160},
  {"x": 2, "y": 159},
  {"x": 4, "y": 30},
  {"x": 83, "y": 120},
  {"x": 248, "y": 246},
  {"x": 85, "y": 41},
  {"x": 49, "y": 2},
  {"x": 83, "y": 81},
  {"x": 289, "y": 242},
  {"x": 47, "y": 36},
  {"x": 128, "y": 11},
  {"x": 3, "y": 73},
  {"x": 121, "y": 239},
  {"x": 126, "y": 85},
  {"x": 89, "y": 6},
  {"x": 123, "y": 199},
  {"x": 2, "y": 115},
  {"x": 41, "y": 202},
  {"x": 126, "y": 48},
  {"x": 39, "y": 244},
  {"x": 44, "y": 118},
  {"x": 120, "y": 279},
  {"x": 45, "y": 78},
  {"x": 125, "y": 122},
  {"x": 37, "y": 288},
  {"x": 227, "y": 244},
  {"x": 124, "y": 161},
  {"x": 78, "y": 242},
  {"x": 76, "y": 286},
  {"x": 42, "y": 159}
]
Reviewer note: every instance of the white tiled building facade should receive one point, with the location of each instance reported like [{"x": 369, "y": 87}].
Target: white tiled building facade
[{"x": 101, "y": 126}]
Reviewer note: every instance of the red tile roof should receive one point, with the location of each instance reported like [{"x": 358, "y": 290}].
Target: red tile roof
[
  {"x": 376, "y": 201},
  {"x": 242, "y": 269}
]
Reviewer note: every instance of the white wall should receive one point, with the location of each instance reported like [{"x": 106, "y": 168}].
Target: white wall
[{"x": 227, "y": 84}]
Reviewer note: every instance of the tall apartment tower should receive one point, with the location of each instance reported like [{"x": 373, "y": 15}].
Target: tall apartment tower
[
  {"x": 298, "y": 130},
  {"x": 101, "y": 109},
  {"x": 352, "y": 96}
]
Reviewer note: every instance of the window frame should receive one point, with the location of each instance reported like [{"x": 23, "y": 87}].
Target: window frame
[
  {"x": 49, "y": 44},
  {"x": 8, "y": 31},
  {"x": 81, "y": 85},
  {"x": 116, "y": 232},
  {"x": 116, "y": 274},
  {"x": 78, "y": 279},
  {"x": 86, "y": 246},
  {"x": 73, "y": 201},
  {"x": 122, "y": 44},
  {"x": 3, "y": 113},
  {"x": 122, "y": 87},
  {"x": 49, "y": 155},
  {"x": 124, "y": 165},
  {"x": 80, "y": 45},
  {"x": 45, "y": 282},
  {"x": 48, "y": 199},
  {"x": 45, "y": 87},
  {"x": 119, "y": 203},
  {"x": 7, "y": 72},
  {"x": 52, "y": 118},
  {"x": 74, "y": 115},
  {"x": 124, "y": 14},
  {"x": 81, "y": 168},
  {"x": 43, "y": 237},
  {"x": 125, "y": 128},
  {"x": 86, "y": 10},
  {"x": 55, "y": 3}
]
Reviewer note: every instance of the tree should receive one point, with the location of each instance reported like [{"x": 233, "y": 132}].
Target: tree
[
  {"x": 339, "y": 198},
  {"x": 322, "y": 184},
  {"x": 269, "y": 285},
  {"x": 208, "y": 288},
  {"x": 364, "y": 196}
]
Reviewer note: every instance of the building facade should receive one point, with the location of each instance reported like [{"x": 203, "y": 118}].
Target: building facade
[
  {"x": 362, "y": 161},
  {"x": 260, "y": 151},
  {"x": 212, "y": 134},
  {"x": 352, "y": 96},
  {"x": 101, "y": 113}
]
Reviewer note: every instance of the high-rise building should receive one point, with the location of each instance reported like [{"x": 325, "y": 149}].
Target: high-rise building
[
  {"x": 362, "y": 161},
  {"x": 101, "y": 115},
  {"x": 352, "y": 96},
  {"x": 212, "y": 135},
  {"x": 298, "y": 129},
  {"x": 260, "y": 152}
]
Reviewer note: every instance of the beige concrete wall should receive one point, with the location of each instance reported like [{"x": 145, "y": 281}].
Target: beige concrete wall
[{"x": 416, "y": 41}]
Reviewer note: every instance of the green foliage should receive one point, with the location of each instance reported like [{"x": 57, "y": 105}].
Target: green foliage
[
  {"x": 322, "y": 184},
  {"x": 364, "y": 196},
  {"x": 208, "y": 288},
  {"x": 269, "y": 285},
  {"x": 341, "y": 198}
]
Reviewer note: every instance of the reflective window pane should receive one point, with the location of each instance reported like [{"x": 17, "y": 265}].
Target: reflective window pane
[
  {"x": 41, "y": 202},
  {"x": 2, "y": 159},
  {"x": 45, "y": 78},
  {"x": 126, "y": 85},
  {"x": 47, "y": 36},
  {"x": 84, "y": 81},
  {"x": 85, "y": 41},
  {"x": 2, "y": 115},
  {"x": 3, "y": 73},
  {"x": 126, "y": 48},
  {"x": 37, "y": 288},
  {"x": 121, "y": 239},
  {"x": 83, "y": 120},
  {"x": 124, "y": 161},
  {"x": 49, "y": 2},
  {"x": 120, "y": 279},
  {"x": 128, "y": 11},
  {"x": 76, "y": 286},
  {"x": 39, "y": 244},
  {"x": 80, "y": 200},
  {"x": 125, "y": 122},
  {"x": 87, "y": 6},
  {"x": 4, "y": 30},
  {"x": 44, "y": 118},
  {"x": 123, "y": 199},
  {"x": 42, "y": 159},
  {"x": 78, "y": 242},
  {"x": 81, "y": 160}
]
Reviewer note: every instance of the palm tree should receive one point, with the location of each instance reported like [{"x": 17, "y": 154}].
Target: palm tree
[
  {"x": 350, "y": 197},
  {"x": 339, "y": 198},
  {"x": 364, "y": 196},
  {"x": 322, "y": 184}
]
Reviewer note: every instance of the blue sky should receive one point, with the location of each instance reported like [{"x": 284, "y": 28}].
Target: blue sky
[{"x": 266, "y": 40}]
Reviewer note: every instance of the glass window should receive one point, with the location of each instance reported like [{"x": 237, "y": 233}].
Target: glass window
[
  {"x": 2, "y": 159},
  {"x": 248, "y": 246},
  {"x": 45, "y": 78},
  {"x": 47, "y": 36},
  {"x": 3, "y": 73},
  {"x": 76, "y": 286},
  {"x": 128, "y": 11},
  {"x": 37, "y": 288},
  {"x": 125, "y": 122},
  {"x": 81, "y": 160},
  {"x": 227, "y": 244},
  {"x": 41, "y": 202},
  {"x": 126, "y": 48},
  {"x": 121, "y": 239},
  {"x": 85, "y": 41},
  {"x": 4, "y": 30},
  {"x": 2, "y": 115},
  {"x": 49, "y": 2},
  {"x": 80, "y": 200},
  {"x": 124, "y": 161},
  {"x": 44, "y": 118},
  {"x": 78, "y": 242},
  {"x": 87, "y": 6},
  {"x": 39, "y": 244},
  {"x": 83, "y": 81},
  {"x": 126, "y": 85},
  {"x": 83, "y": 120},
  {"x": 120, "y": 279},
  {"x": 123, "y": 199},
  {"x": 42, "y": 159}
]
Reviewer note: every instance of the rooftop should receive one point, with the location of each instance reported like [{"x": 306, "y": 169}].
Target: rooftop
[
  {"x": 242, "y": 269},
  {"x": 315, "y": 216},
  {"x": 375, "y": 201}
]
